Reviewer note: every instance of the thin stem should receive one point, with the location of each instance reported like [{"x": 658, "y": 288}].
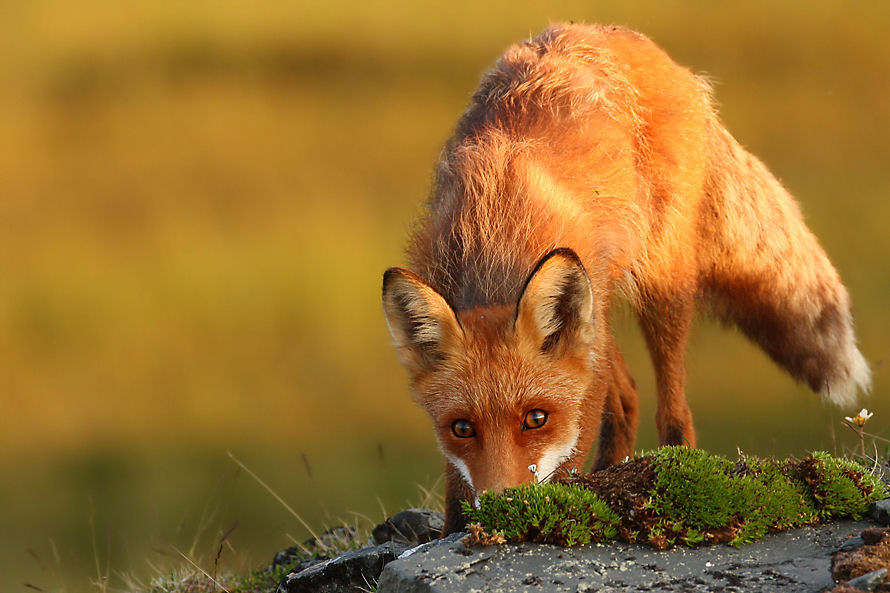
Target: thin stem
[{"x": 862, "y": 442}]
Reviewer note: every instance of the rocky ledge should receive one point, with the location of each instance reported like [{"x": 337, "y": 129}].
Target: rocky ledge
[{"x": 404, "y": 556}]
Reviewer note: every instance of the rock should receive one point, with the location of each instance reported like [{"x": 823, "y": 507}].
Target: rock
[
  {"x": 410, "y": 527},
  {"x": 852, "y": 544},
  {"x": 869, "y": 581},
  {"x": 849, "y": 566},
  {"x": 295, "y": 554},
  {"x": 356, "y": 569},
  {"x": 284, "y": 557},
  {"x": 879, "y": 512},
  {"x": 337, "y": 538},
  {"x": 794, "y": 560},
  {"x": 450, "y": 539},
  {"x": 353, "y": 571},
  {"x": 291, "y": 555}
]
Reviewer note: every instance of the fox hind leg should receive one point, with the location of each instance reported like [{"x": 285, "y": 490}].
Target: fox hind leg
[{"x": 665, "y": 318}]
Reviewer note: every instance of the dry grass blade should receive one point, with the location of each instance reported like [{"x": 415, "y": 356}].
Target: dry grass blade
[
  {"x": 201, "y": 570},
  {"x": 101, "y": 581},
  {"x": 430, "y": 499},
  {"x": 222, "y": 541},
  {"x": 268, "y": 489}
]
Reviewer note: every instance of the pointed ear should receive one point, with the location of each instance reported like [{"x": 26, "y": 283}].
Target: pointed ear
[
  {"x": 423, "y": 325},
  {"x": 555, "y": 311}
]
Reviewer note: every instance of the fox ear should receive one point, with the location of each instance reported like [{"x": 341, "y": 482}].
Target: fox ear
[
  {"x": 555, "y": 311},
  {"x": 423, "y": 325}
]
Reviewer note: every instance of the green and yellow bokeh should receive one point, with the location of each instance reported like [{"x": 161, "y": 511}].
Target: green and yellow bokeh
[{"x": 197, "y": 202}]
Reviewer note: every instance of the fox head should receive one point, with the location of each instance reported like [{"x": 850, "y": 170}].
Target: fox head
[{"x": 504, "y": 385}]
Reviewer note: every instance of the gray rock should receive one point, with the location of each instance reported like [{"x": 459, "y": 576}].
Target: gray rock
[
  {"x": 336, "y": 538},
  {"x": 852, "y": 544},
  {"x": 794, "y": 560},
  {"x": 356, "y": 570},
  {"x": 295, "y": 554},
  {"x": 869, "y": 581},
  {"x": 410, "y": 527},
  {"x": 879, "y": 512},
  {"x": 284, "y": 558},
  {"x": 450, "y": 539}
]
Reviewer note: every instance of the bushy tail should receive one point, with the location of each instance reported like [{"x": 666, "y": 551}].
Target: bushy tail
[{"x": 765, "y": 272}]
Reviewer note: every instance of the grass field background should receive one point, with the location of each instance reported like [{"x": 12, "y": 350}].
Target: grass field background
[{"x": 199, "y": 199}]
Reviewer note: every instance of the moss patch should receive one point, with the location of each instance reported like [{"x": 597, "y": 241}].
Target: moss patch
[
  {"x": 564, "y": 514},
  {"x": 678, "y": 495}
]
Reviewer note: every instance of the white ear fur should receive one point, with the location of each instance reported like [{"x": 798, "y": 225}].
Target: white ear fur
[
  {"x": 423, "y": 325},
  {"x": 555, "y": 310}
]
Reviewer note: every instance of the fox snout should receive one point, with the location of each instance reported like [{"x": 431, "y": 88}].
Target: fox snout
[
  {"x": 496, "y": 473},
  {"x": 510, "y": 458}
]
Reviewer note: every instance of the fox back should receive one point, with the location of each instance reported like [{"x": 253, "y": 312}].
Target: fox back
[{"x": 590, "y": 166}]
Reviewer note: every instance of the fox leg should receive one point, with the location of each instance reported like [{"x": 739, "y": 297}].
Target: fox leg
[
  {"x": 456, "y": 490},
  {"x": 665, "y": 319},
  {"x": 619, "y": 424}
]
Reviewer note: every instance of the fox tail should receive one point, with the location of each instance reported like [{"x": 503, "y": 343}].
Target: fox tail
[{"x": 766, "y": 273}]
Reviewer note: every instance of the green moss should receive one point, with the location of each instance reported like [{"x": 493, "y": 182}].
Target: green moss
[
  {"x": 693, "y": 485},
  {"x": 690, "y": 497},
  {"x": 546, "y": 513},
  {"x": 840, "y": 487},
  {"x": 770, "y": 496}
]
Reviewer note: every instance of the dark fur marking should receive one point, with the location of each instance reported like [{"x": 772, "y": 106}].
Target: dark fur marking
[
  {"x": 566, "y": 301},
  {"x": 788, "y": 338},
  {"x": 674, "y": 435},
  {"x": 566, "y": 311},
  {"x": 410, "y": 322},
  {"x": 456, "y": 490},
  {"x": 562, "y": 251}
]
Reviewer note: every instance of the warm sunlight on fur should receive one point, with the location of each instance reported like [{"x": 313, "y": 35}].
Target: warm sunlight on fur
[{"x": 588, "y": 165}]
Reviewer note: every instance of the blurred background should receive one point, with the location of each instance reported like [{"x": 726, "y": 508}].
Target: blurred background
[{"x": 198, "y": 202}]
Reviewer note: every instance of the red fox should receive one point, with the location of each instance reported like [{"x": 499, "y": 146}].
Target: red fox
[{"x": 589, "y": 165}]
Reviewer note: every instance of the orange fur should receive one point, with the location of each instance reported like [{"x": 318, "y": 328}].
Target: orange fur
[{"x": 592, "y": 139}]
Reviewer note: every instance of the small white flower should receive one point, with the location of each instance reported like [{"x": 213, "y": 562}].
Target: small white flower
[
  {"x": 533, "y": 468},
  {"x": 861, "y": 418}
]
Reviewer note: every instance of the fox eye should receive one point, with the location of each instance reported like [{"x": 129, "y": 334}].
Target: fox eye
[
  {"x": 462, "y": 429},
  {"x": 534, "y": 419}
]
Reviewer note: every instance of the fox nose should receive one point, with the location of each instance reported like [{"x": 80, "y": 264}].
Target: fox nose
[
  {"x": 497, "y": 487},
  {"x": 505, "y": 480},
  {"x": 495, "y": 484}
]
